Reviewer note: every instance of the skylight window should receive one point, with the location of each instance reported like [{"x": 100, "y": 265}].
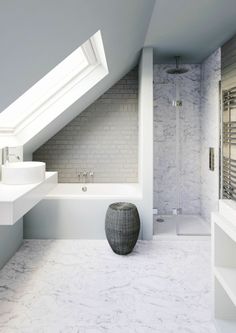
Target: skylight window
[{"x": 57, "y": 90}]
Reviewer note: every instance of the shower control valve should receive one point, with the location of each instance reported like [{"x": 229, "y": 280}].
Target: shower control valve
[{"x": 177, "y": 103}]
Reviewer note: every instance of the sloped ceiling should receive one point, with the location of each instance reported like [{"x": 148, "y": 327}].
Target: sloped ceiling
[
  {"x": 36, "y": 35},
  {"x": 192, "y": 29}
]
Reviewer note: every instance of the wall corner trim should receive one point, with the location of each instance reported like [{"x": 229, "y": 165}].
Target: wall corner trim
[{"x": 146, "y": 138}]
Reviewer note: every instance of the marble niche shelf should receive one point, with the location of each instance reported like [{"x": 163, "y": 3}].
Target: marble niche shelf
[
  {"x": 17, "y": 200},
  {"x": 224, "y": 266}
]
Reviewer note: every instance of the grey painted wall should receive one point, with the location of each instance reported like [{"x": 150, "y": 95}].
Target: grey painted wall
[
  {"x": 165, "y": 172},
  {"x": 228, "y": 64},
  {"x": 102, "y": 139},
  {"x": 11, "y": 238},
  {"x": 210, "y": 77}
]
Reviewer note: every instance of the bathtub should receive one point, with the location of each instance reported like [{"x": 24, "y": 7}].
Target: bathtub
[
  {"x": 73, "y": 211},
  {"x": 98, "y": 191}
]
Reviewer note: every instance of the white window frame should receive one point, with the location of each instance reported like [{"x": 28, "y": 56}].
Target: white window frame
[{"x": 55, "y": 92}]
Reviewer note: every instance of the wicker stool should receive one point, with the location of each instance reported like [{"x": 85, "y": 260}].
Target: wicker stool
[{"x": 122, "y": 227}]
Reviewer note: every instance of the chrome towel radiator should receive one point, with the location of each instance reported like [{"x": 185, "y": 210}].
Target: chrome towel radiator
[{"x": 229, "y": 144}]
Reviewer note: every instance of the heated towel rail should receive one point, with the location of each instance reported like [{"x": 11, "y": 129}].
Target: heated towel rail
[{"x": 229, "y": 143}]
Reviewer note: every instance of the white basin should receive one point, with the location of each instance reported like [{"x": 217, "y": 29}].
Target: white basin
[{"x": 21, "y": 173}]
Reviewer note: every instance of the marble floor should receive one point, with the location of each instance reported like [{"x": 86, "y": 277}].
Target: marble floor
[{"x": 79, "y": 286}]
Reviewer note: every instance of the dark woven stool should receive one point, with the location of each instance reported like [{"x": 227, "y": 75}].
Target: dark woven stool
[{"x": 122, "y": 227}]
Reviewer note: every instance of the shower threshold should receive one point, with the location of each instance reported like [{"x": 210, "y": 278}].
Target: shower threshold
[{"x": 181, "y": 225}]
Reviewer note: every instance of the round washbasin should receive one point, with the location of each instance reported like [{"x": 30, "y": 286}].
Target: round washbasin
[{"x": 20, "y": 173}]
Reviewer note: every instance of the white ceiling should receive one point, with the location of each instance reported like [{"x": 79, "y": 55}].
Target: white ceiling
[{"x": 191, "y": 28}]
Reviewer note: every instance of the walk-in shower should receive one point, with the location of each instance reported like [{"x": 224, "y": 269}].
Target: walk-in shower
[{"x": 177, "y": 149}]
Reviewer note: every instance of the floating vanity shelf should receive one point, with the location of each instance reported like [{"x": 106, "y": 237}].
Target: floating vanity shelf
[
  {"x": 17, "y": 200},
  {"x": 224, "y": 261},
  {"x": 227, "y": 278}
]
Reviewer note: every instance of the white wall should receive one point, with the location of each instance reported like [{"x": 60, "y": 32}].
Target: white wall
[{"x": 146, "y": 138}]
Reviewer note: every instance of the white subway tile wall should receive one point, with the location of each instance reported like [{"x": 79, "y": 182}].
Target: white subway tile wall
[{"x": 103, "y": 139}]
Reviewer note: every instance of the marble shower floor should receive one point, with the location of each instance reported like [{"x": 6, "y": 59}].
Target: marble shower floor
[
  {"x": 79, "y": 286},
  {"x": 181, "y": 224}
]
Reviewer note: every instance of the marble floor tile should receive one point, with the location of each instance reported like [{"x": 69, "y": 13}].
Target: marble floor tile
[{"x": 79, "y": 286}]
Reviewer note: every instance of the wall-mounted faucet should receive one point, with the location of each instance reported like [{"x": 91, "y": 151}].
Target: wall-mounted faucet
[
  {"x": 78, "y": 175},
  {"x": 91, "y": 176},
  {"x": 6, "y": 155},
  {"x": 85, "y": 177}
]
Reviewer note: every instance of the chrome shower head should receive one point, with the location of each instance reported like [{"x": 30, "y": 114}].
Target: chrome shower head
[{"x": 177, "y": 70}]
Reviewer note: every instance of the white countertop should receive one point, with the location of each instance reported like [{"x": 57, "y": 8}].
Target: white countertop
[
  {"x": 17, "y": 200},
  {"x": 9, "y": 193}
]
